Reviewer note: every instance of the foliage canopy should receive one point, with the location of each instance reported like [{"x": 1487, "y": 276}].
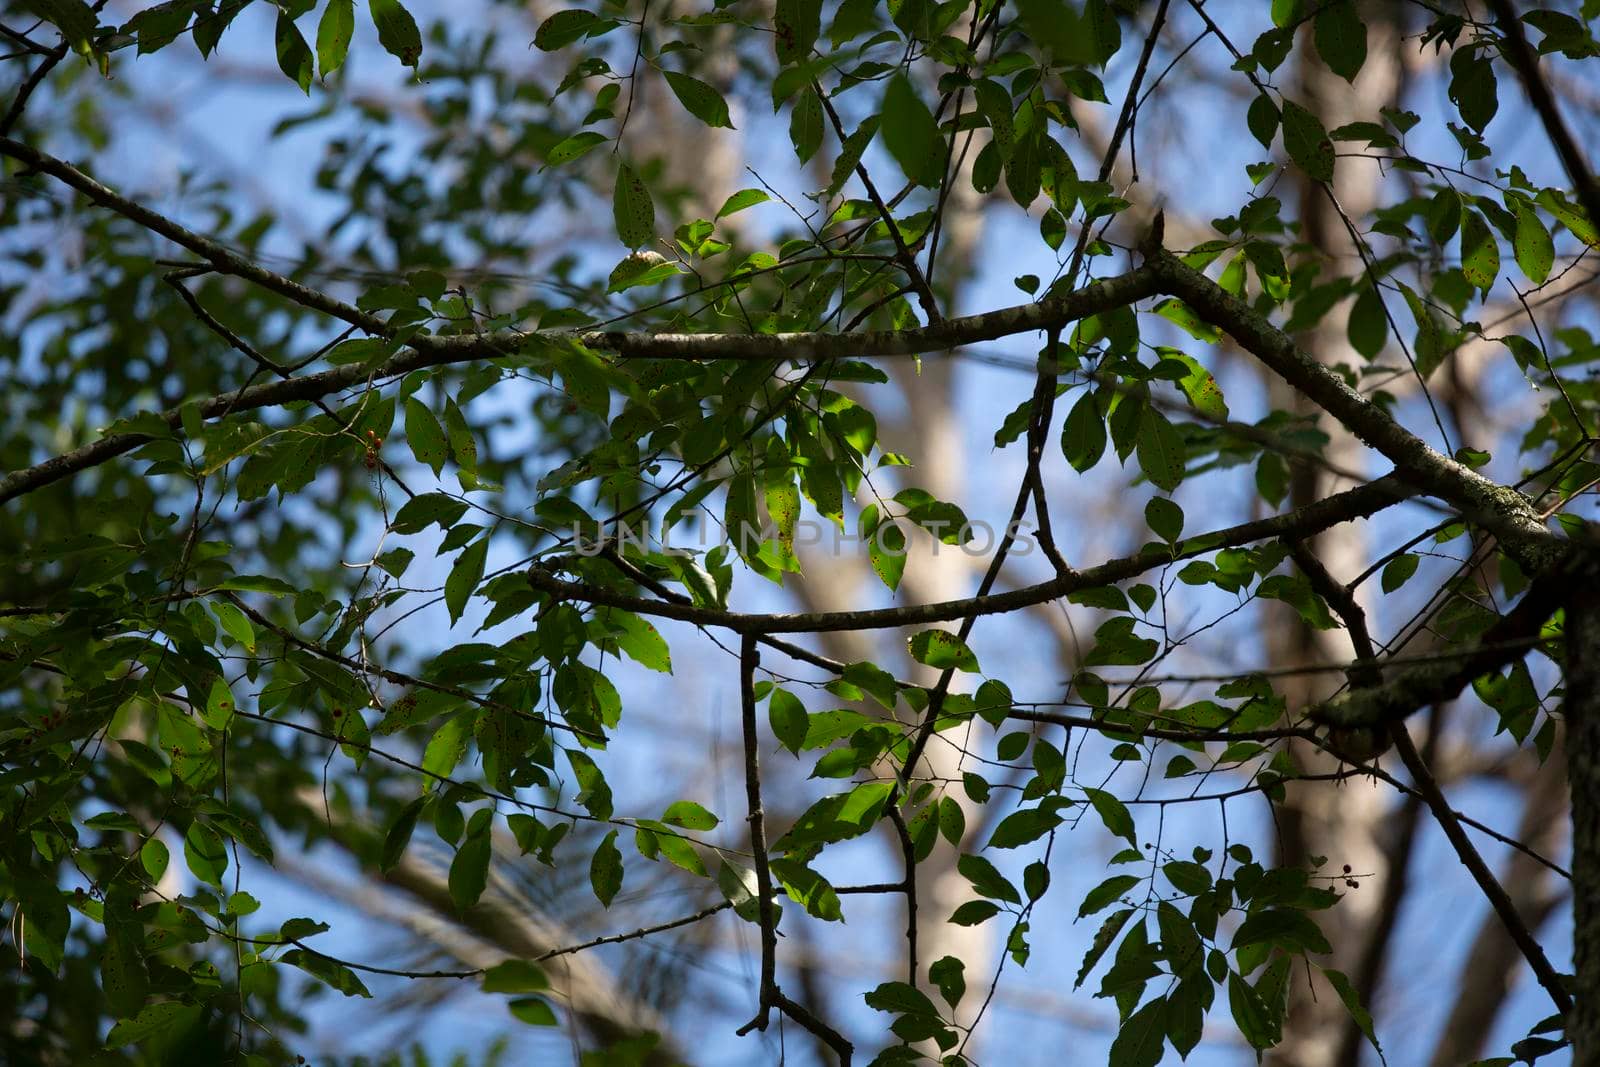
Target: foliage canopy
[{"x": 229, "y": 476}]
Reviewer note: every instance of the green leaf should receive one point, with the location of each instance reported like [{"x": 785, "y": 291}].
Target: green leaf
[
  {"x": 1480, "y": 252},
  {"x": 571, "y": 148},
  {"x": 205, "y": 853},
  {"x": 462, "y": 445},
  {"x": 219, "y": 707},
  {"x": 986, "y": 879},
  {"x": 1114, "y": 814},
  {"x": 1140, "y": 1041},
  {"x": 397, "y": 30},
  {"x": 1165, "y": 518},
  {"x": 334, "y": 31},
  {"x": 1176, "y": 311},
  {"x": 640, "y": 639},
  {"x": 1103, "y": 939},
  {"x": 420, "y": 512},
  {"x": 1059, "y": 27},
  {"x": 154, "y": 1019},
  {"x": 1430, "y": 344},
  {"x": 464, "y": 577},
  {"x": 1024, "y": 167},
  {"x": 154, "y": 857},
  {"x": 744, "y": 198},
  {"x": 809, "y": 889},
  {"x": 1341, "y": 38},
  {"x": 158, "y": 26},
  {"x": 689, "y": 815},
  {"x": 1571, "y": 216},
  {"x": 805, "y": 125},
  {"x": 1399, "y": 570},
  {"x": 1262, "y": 119},
  {"x": 1444, "y": 215},
  {"x": 941, "y": 649},
  {"x": 594, "y": 792},
  {"x": 1083, "y": 434},
  {"x": 1473, "y": 88},
  {"x": 789, "y": 720},
  {"x": 235, "y": 623},
  {"x": 535, "y": 1011},
  {"x": 795, "y": 26},
  {"x": 902, "y": 999},
  {"x": 1250, "y": 1013},
  {"x": 850, "y": 153},
  {"x": 1200, "y": 387},
  {"x": 1307, "y": 142},
  {"x": 1186, "y": 1008},
  {"x": 1180, "y": 941},
  {"x": 974, "y": 912},
  {"x": 699, "y": 99},
  {"x": 1162, "y": 456},
  {"x": 1368, "y": 326},
  {"x": 1106, "y": 893},
  {"x": 256, "y": 583},
  {"x": 1187, "y": 877},
  {"x": 75, "y": 19},
  {"x": 448, "y": 744},
  {"x": 605, "y": 870},
  {"x": 632, "y": 208},
  {"x": 515, "y": 976},
  {"x": 399, "y": 834},
  {"x": 1292, "y": 930},
  {"x": 294, "y": 56},
  {"x": 1352, "y": 1003},
  {"x": 948, "y": 976},
  {"x": 1534, "y": 249},
  {"x": 995, "y": 103},
  {"x": 886, "y": 551},
  {"x": 742, "y": 527},
  {"x": 910, "y": 133},
  {"x": 1021, "y": 827},
  {"x": 469, "y": 871},
  {"x": 426, "y": 436},
  {"x": 562, "y": 29}
]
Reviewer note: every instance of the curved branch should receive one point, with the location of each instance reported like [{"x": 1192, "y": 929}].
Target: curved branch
[
  {"x": 1331, "y": 511},
  {"x": 1498, "y": 509},
  {"x": 1430, "y": 683}
]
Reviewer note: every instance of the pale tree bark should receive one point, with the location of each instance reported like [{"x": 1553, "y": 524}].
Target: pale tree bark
[
  {"x": 931, "y": 432},
  {"x": 935, "y": 431},
  {"x": 1343, "y": 823}
]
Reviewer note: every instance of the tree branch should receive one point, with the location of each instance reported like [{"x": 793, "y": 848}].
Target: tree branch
[
  {"x": 1313, "y": 518},
  {"x": 1500, "y": 510},
  {"x": 1531, "y": 950},
  {"x": 749, "y": 659},
  {"x": 1364, "y": 678},
  {"x": 1430, "y": 683}
]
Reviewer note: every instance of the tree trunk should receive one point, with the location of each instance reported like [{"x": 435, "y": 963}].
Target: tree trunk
[
  {"x": 1343, "y": 823},
  {"x": 1583, "y": 775}
]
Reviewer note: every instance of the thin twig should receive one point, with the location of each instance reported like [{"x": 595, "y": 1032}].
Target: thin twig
[{"x": 749, "y": 660}]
